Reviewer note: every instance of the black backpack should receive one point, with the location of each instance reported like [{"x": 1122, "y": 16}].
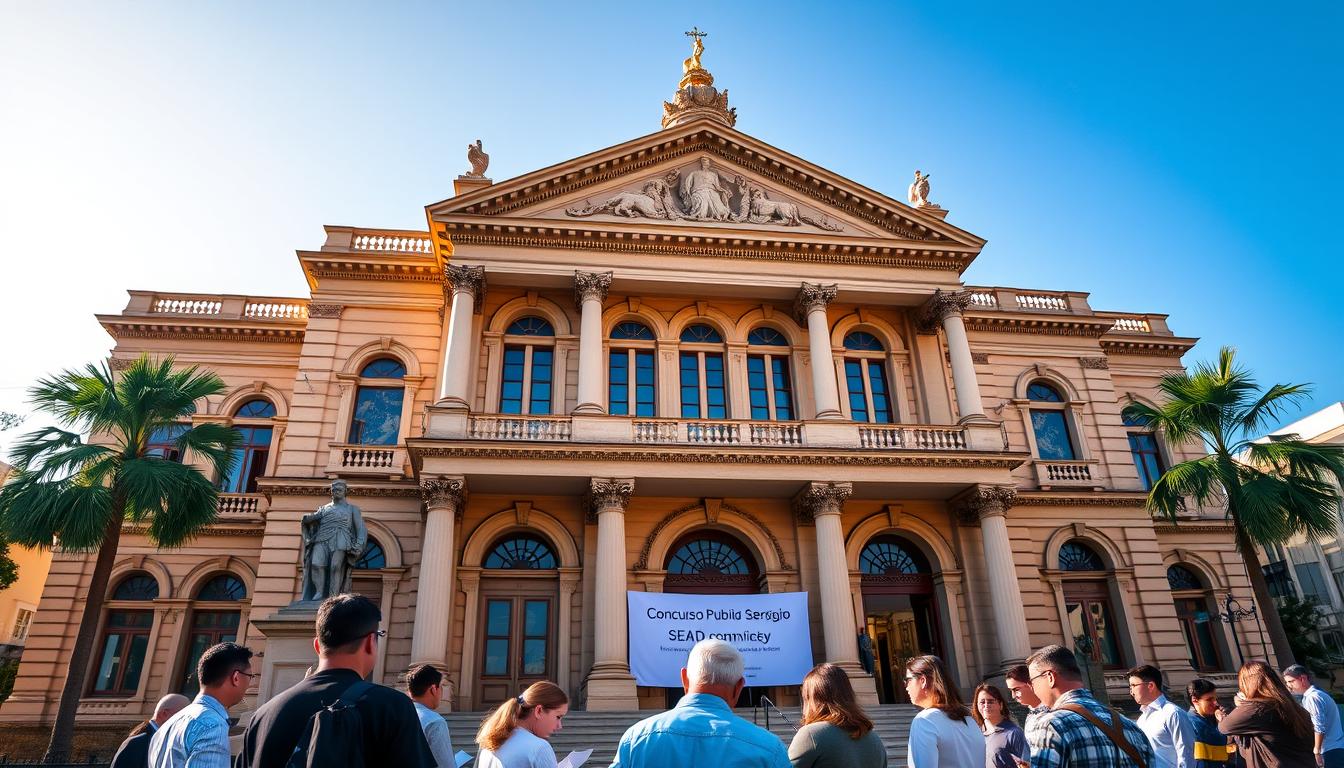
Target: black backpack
[{"x": 335, "y": 733}]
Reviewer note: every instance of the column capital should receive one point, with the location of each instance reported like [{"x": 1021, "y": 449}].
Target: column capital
[
  {"x": 940, "y": 306},
  {"x": 813, "y": 296},
  {"x": 606, "y": 494},
  {"x": 444, "y": 491},
  {"x": 463, "y": 277},
  {"x": 590, "y": 285},
  {"x": 817, "y": 499},
  {"x": 984, "y": 501}
]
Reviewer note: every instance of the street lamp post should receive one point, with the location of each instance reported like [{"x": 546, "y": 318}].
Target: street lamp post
[{"x": 1232, "y": 613}]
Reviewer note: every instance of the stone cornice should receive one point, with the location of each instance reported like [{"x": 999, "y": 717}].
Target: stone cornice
[
  {"x": 1208, "y": 526},
  {"x": 144, "y": 328},
  {"x": 371, "y": 265},
  {"x": 212, "y": 529},
  {"x": 1160, "y": 346},
  {"x": 1048, "y": 325},
  {"x": 1067, "y": 499},
  {"x": 303, "y": 486}
]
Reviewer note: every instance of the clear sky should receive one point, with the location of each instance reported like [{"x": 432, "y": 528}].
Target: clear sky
[{"x": 1169, "y": 157}]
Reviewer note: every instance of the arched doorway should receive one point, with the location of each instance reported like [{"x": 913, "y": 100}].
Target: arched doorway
[
  {"x": 709, "y": 562},
  {"x": 517, "y": 621},
  {"x": 900, "y": 612},
  {"x": 215, "y": 617},
  {"x": 1198, "y": 614},
  {"x": 1087, "y": 602}
]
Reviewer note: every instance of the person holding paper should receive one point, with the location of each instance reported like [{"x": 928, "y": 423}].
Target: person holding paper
[
  {"x": 702, "y": 729},
  {"x": 515, "y": 734}
]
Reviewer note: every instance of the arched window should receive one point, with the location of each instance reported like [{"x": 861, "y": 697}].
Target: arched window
[
  {"x": 121, "y": 657},
  {"x": 367, "y": 578},
  {"x": 1076, "y": 556},
  {"x": 1088, "y": 603},
  {"x": 252, "y": 422},
  {"x": 704, "y": 386},
  {"x": 213, "y": 621},
  {"x": 866, "y": 378},
  {"x": 768, "y": 383},
  {"x": 163, "y": 442},
  {"x": 520, "y": 552},
  {"x": 710, "y": 562},
  {"x": 1196, "y": 616},
  {"x": 529, "y": 367},
  {"x": 378, "y": 403},
  {"x": 631, "y": 387},
  {"x": 892, "y": 555},
  {"x": 373, "y": 559},
  {"x": 1143, "y": 448},
  {"x": 1050, "y": 423}
]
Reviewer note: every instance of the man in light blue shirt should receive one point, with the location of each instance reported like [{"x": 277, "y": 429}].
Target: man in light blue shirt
[
  {"x": 198, "y": 736},
  {"x": 1329, "y": 744},
  {"x": 702, "y": 729},
  {"x": 1168, "y": 728},
  {"x": 425, "y": 684}
]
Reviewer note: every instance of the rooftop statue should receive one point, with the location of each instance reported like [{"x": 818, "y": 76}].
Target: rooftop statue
[
  {"x": 919, "y": 191},
  {"x": 697, "y": 48},
  {"x": 479, "y": 161},
  {"x": 334, "y": 538}
]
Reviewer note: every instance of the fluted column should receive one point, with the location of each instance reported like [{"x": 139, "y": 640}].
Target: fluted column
[
  {"x": 810, "y": 307},
  {"x": 464, "y": 291},
  {"x": 946, "y": 308},
  {"x": 823, "y": 502},
  {"x": 590, "y": 290},
  {"x": 610, "y": 684},
  {"x": 989, "y": 504},
  {"x": 444, "y": 497}
]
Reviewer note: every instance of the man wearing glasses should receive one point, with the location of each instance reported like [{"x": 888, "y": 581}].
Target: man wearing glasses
[
  {"x": 1079, "y": 732},
  {"x": 199, "y": 734}
]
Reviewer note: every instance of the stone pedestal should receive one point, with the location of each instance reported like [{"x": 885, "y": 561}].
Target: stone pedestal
[{"x": 289, "y": 634}]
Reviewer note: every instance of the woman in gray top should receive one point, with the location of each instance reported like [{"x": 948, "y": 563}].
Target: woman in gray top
[
  {"x": 1004, "y": 740},
  {"x": 835, "y": 733}
]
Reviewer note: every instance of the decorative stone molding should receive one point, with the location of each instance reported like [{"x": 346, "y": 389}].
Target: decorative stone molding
[
  {"x": 1054, "y": 499},
  {"x": 812, "y": 296},
  {"x": 984, "y": 501},
  {"x": 119, "y": 363},
  {"x": 356, "y": 490},
  {"x": 1056, "y": 325},
  {"x": 939, "y": 306},
  {"x": 1095, "y": 363},
  {"x": 719, "y": 456},
  {"x": 589, "y": 285},
  {"x": 820, "y": 499},
  {"x": 462, "y": 277},
  {"x": 980, "y": 358},
  {"x": 642, "y": 563},
  {"x": 325, "y": 310},
  {"x": 607, "y": 493},
  {"x": 444, "y": 492}
]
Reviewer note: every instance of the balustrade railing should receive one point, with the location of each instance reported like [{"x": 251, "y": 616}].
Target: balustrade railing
[
  {"x": 225, "y": 307},
  {"x": 364, "y": 240},
  {"x": 984, "y": 299},
  {"x": 1132, "y": 325},
  {"x": 538, "y": 428},
  {"x": 275, "y": 311},
  {"x": 368, "y": 457},
  {"x": 1041, "y": 301},
  {"x": 185, "y": 306},
  {"x": 1065, "y": 473},
  {"x": 913, "y": 438},
  {"x": 240, "y": 503}
]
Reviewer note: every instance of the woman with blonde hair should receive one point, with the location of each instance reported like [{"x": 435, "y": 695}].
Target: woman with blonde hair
[
  {"x": 1269, "y": 728},
  {"x": 835, "y": 732},
  {"x": 515, "y": 734},
  {"x": 943, "y": 735},
  {"x": 1004, "y": 740}
]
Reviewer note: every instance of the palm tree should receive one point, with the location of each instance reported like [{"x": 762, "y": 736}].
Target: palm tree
[
  {"x": 1274, "y": 489},
  {"x": 77, "y": 493}
]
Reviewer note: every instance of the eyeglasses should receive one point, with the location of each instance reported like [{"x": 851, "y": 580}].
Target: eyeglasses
[
  {"x": 911, "y": 678},
  {"x": 1032, "y": 679},
  {"x": 379, "y": 633},
  {"x": 249, "y": 675}
]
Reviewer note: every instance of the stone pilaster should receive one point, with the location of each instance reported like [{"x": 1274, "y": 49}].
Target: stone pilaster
[
  {"x": 810, "y": 306},
  {"x": 590, "y": 290},
  {"x": 463, "y": 292},
  {"x": 989, "y": 504},
  {"x": 610, "y": 684}
]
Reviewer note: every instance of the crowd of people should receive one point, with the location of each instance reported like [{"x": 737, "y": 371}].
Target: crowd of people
[{"x": 335, "y": 717}]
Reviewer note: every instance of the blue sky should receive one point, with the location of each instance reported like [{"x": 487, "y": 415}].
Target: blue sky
[{"x": 1175, "y": 157}]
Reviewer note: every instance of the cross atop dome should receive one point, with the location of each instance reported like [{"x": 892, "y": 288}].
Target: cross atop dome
[{"x": 696, "y": 96}]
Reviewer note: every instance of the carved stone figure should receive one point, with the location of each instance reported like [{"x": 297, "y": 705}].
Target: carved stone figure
[
  {"x": 334, "y": 538},
  {"x": 697, "y": 48},
  {"x": 647, "y": 203},
  {"x": 919, "y": 191},
  {"x": 703, "y": 195},
  {"x": 479, "y": 160},
  {"x": 764, "y": 210}
]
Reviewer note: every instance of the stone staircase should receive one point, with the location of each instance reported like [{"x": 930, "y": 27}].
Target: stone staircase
[{"x": 602, "y": 730}]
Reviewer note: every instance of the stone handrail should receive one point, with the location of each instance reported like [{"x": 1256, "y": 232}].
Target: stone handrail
[
  {"x": 536, "y": 428},
  {"x": 1065, "y": 474},
  {"x": 219, "y": 306},
  {"x": 719, "y": 432},
  {"x": 390, "y": 242},
  {"x": 377, "y": 460},
  {"x": 913, "y": 438},
  {"x": 240, "y": 504}
]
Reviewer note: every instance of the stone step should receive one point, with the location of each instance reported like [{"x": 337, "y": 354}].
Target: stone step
[{"x": 602, "y": 731}]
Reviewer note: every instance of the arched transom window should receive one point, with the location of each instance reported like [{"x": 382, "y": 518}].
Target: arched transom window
[
  {"x": 1143, "y": 448},
  {"x": 769, "y": 385},
  {"x": 631, "y": 377},
  {"x": 1055, "y": 440},
  {"x": 529, "y": 367},
  {"x": 521, "y": 552},
  {"x": 374, "y": 558},
  {"x": 378, "y": 403},
  {"x": 121, "y": 654},
  {"x": 866, "y": 378},
  {"x": 1077, "y": 556},
  {"x": 704, "y": 385},
  {"x": 252, "y": 422},
  {"x": 890, "y": 556},
  {"x": 1087, "y": 601}
]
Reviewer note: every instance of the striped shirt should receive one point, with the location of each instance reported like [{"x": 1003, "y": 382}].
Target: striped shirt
[
  {"x": 1063, "y": 739},
  {"x": 196, "y": 737}
]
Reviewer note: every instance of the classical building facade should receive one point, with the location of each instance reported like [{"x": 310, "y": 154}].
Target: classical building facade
[{"x": 691, "y": 362}]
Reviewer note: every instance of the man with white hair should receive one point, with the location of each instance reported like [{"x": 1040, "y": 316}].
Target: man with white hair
[
  {"x": 702, "y": 729},
  {"x": 134, "y": 751}
]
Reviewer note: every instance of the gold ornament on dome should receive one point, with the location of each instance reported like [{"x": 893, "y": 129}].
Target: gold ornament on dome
[
  {"x": 696, "y": 96},
  {"x": 692, "y": 72}
]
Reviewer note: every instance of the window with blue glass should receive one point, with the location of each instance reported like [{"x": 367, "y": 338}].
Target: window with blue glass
[
  {"x": 163, "y": 442},
  {"x": 631, "y": 388},
  {"x": 1147, "y": 457},
  {"x": 866, "y": 386},
  {"x": 526, "y": 386},
  {"x": 253, "y": 448},
  {"x": 769, "y": 389},
  {"x": 892, "y": 555},
  {"x": 1050, "y": 423},
  {"x": 377, "y": 413},
  {"x": 373, "y": 557},
  {"x": 703, "y": 385},
  {"x": 520, "y": 552}
]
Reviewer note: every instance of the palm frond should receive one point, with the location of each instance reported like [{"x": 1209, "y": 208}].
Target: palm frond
[
  {"x": 214, "y": 442},
  {"x": 1267, "y": 409},
  {"x": 33, "y": 513},
  {"x": 192, "y": 505},
  {"x": 1196, "y": 479}
]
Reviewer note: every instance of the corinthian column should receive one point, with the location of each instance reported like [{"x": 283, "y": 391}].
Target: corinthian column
[
  {"x": 590, "y": 289},
  {"x": 946, "y": 308},
  {"x": 464, "y": 291},
  {"x": 989, "y": 504},
  {"x": 823, "y": 502},
  {"x": 610, "y": 684},
  {"x": 444, "y": 497},
  {"x": 811, "y": 308}
]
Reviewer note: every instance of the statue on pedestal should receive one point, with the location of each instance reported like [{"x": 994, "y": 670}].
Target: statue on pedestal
[{"x": 334, "y": 538}]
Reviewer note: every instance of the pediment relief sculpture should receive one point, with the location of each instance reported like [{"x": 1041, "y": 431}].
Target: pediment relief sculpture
[{"x": 703, "y": 192}]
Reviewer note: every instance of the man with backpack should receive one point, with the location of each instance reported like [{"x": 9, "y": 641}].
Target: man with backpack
[
  {"x": 335, "y": 717},
  {"x": 1078, "y": 731}
]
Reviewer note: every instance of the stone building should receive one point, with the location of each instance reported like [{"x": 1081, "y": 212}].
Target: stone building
[{"x": 691, "y": 362}]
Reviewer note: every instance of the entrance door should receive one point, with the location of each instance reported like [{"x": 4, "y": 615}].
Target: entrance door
[
  {"x": 900, "y": 613},
  {"x": 516, "y": 649}
]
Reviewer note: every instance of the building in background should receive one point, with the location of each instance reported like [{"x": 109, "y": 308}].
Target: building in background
[{"x": 19, "y": 601}]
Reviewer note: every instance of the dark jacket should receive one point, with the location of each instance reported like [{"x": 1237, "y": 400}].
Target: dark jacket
[
  {"x": 1265, "y": 740},
  {"x": 134, "y": 751}
]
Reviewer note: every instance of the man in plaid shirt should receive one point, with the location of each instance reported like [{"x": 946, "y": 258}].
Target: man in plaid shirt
[{"x": 1064, "y": 739}]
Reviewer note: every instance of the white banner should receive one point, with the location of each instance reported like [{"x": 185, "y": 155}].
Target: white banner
[{"x": 771, "y": 631}]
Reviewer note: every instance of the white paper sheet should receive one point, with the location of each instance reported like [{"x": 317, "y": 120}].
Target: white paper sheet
[{"x": 575, "y": 759}]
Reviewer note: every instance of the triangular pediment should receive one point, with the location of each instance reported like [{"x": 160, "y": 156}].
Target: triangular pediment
[{"x": 704, "y": 176}]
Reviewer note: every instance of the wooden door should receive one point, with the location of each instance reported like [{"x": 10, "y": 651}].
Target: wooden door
[{"x": 517, "y": 645}]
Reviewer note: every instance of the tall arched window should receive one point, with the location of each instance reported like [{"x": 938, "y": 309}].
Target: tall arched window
[
  {"x": 366, "y": 578},
  {"x": 1050, "y": 423},
  {"x": 1147, "y": 457},
  {"x": 521, "y": 551},
  {"x": 866, "y": 378},
  {"x": 215, "y": 616},
  {"x": 892, "y": 555},
  {"x": 529, "y": 367},
  {"x": 631, "y": 388},
  {"x": 704, "y": 385},
  {"x": 1088, "y": 603},
  {"x": 711, "y": 562},
  {"x": 252, "y": 421},
  {"x": 1196, "y": 618},
  {"x": 130, "y": 617},
  {"x": 768, "y": 383},
  {"x": 378, "y": 403}
]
